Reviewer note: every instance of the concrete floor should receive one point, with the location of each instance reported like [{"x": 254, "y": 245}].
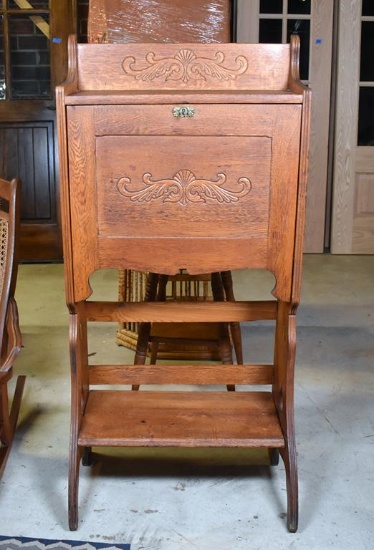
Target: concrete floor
[{"x": 163, "y": 501}]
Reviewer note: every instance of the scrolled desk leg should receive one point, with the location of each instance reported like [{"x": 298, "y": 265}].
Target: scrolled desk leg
[
  {"x": 79, "y": 394},
  {"x": 73, "y": 486},
  {"x": 289, "y": 459}
]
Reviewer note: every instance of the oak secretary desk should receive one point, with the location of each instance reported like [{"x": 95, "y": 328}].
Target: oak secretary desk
[{"x": 183, "y": 156}]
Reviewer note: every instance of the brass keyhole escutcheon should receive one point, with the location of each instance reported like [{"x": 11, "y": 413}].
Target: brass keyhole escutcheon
[{"x": 184, "y": 111}]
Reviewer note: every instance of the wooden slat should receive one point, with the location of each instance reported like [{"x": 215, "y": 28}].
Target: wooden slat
[
  {"x": 180, "y": 419},
  {"x": 178, "y": 312},
  {"x": 42, "y": 24},
  {"x": 107, "y": 97},
  {"x": 181, "y": 374}
]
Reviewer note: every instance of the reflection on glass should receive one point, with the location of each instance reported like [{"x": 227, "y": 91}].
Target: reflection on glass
[
  {"x": 299, "y": 6},
  {"x": 302, "y": 28},
  {"x": 36, "y": 4},
  {"x": 270, "y": 31},
  {"x": 367, "y": 7},
  {"x": 2, "y": 63},
  {"x": 83, "y": 9},
  {"x": 366, "y": 117},
  {"x": 30, "y": 68},
  {"x": 367, "y": 49},
  {"x": 271, "y": 6}
]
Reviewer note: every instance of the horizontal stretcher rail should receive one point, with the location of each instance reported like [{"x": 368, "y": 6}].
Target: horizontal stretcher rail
[
  {"x": 181, "y": 312},
  {"x": 182, "y": 374}
]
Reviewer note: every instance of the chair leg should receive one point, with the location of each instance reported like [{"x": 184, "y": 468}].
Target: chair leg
[
  {"x": 161, "y": 297},
  {"x": 225, "y": 349},
  {"x": 217, "y": 287},
  {"x": 154, "y": 352},
  {"x": 235, "y": 329},
  {"x": 273, "y": 457},
  {"x": 87, "y": 456},
  {"x": 8, "y": 421},
  {"x": 225, "y": 346},
  {"x": 144, "y": 330},
  {"x": 6, "y": 431},
  {"x": 162, "y": 283},
  {"x": 144, "y": 333}
]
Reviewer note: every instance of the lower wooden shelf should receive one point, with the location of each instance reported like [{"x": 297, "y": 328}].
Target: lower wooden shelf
[{"x": 180, "y": 419}]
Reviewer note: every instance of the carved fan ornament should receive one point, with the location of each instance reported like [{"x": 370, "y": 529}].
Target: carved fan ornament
[
  {"x": 184, "y": 188},
  {"x": 185, "y": 66}
]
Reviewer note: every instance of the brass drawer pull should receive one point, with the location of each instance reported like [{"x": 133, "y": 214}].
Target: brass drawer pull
[{"x": 183, "y": 112}]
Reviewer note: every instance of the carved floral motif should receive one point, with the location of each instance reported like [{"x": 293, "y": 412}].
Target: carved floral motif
[
  {"x": 184, "y": 188},
  {"x": 185, "y": 66}
]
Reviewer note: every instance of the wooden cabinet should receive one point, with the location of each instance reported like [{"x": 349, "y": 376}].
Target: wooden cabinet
[
  {"x": 177, "y": 156},
  {"x": 33, "y": 59}
]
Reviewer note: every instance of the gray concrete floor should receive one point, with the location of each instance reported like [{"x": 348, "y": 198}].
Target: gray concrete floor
[{"x": 170, "y": 501}]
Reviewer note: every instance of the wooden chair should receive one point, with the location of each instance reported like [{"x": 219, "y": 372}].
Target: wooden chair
[
  {"x": 9, "y": 326},
  {"x": 181, "y": 156},
  {"x": 219, "y": 338},
  {"x": 200, "y": 342},
  {"x": 134, "y": 287}
]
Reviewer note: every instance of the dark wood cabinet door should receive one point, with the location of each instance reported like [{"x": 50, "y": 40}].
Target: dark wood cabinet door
[{"x": 33, "y": 60}]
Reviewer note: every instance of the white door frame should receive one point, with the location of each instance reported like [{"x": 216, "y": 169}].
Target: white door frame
[{"x": 321, "y": 35}]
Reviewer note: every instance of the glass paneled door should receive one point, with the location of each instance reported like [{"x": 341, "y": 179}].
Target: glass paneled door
[
  {"x": 365, "y": 136},
  {"x": 273, "y": 21},
  {"x": 33, "y": 51},
  {"x": 353, "y": 199}
]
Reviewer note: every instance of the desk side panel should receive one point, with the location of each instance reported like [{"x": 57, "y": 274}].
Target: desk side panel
[{"x": 82, "y": 196}]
